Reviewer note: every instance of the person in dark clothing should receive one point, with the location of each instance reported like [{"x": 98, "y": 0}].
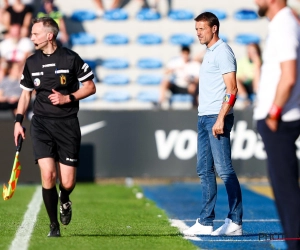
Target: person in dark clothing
[{"x": 54, "y": 73}]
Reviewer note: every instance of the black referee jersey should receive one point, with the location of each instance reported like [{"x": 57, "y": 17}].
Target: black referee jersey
[{"x": 61, "y": 71}]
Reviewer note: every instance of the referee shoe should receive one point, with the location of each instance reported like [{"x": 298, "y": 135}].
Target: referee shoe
[
  {"x": 66, "y": 212},
  {"x": 54, "y": 230}
]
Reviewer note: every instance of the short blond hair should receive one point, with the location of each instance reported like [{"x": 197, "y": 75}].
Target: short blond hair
[{"x": 49, "y": 23}]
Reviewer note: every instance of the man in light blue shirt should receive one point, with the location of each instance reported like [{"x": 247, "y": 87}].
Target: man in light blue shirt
[
  {"x": 218, "y": 60},
  {"x": 217, "y": 94}
]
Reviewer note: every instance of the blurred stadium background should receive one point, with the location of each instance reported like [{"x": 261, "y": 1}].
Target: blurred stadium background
[
  {"x": 127, "y": 139},
  {"x": 232, "y": 25},
  {"x": 124, "y": 134}
]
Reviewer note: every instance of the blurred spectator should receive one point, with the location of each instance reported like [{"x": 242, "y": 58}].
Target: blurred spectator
[
  {"x": 49, "y": 9},
  {"x": 6, "y": 3},
  {"x": 142, "y": 3},
  {"x": 14, "y": 48},
  {"x": 117, "y": 4},
  {"x": 10, "y": 90},
  {"x": 101, "y": 8},
  {"x": 181, "y": 77},
  {"x": 156, "y": 3},
  {"x": 2, "y": 10},
  {"x": 16, "y": 12},
  {"x": 248, "y": 73},
  {"x": 199, "y": 56}
]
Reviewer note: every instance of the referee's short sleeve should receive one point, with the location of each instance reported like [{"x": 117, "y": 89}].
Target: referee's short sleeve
[
  {"x": 26, "y": 80},
  {"x": 83, "y": 70}
]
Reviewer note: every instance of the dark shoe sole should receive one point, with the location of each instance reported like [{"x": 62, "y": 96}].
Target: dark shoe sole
[{"x": 65, "y": 220}]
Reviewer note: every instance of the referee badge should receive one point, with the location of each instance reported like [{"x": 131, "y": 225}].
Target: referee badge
[
  {"x": 36, "y": 82},
  {"x": 63, "y": 79}
]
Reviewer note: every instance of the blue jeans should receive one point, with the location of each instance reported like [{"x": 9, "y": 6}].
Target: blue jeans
[{"x": 216, "y": 152}]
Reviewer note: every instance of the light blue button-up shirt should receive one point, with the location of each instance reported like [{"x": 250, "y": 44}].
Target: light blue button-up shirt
[{"x": 219, "y": 59}]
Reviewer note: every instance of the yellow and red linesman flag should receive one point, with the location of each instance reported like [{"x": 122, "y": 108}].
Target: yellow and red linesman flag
[{"x": 8, "y": 192}]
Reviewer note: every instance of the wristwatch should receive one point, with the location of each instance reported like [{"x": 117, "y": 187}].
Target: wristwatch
[{"x": 72, "y": 98}]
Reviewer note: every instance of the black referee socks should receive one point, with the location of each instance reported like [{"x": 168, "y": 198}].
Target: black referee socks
[
  {"x": 64, "y": 194},
  {"x": 50, "y": 198}
]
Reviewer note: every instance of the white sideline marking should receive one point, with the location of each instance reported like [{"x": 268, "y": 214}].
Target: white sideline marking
[
  {"x": 24, "y": 231},
  {"x": 182, "y": 226}
]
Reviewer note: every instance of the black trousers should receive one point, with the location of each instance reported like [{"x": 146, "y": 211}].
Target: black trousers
[{"x": 283, "y": 171}]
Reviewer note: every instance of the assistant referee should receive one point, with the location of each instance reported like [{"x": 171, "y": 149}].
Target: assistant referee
[{"x": 54, "y": 73}]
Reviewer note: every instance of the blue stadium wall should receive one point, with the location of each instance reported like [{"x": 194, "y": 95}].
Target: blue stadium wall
[{"x": 154, "y": 144}]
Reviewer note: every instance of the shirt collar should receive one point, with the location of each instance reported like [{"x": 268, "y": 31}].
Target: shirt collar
[{"x": 215, "y": 45}]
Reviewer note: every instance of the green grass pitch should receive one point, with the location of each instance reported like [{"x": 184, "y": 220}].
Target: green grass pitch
[{"x": 104, "y": 217}]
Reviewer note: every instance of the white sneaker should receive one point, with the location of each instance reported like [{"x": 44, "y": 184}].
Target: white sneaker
[
  {"x": 198, "y": 229},
  {"x": 229, "y": 228}
]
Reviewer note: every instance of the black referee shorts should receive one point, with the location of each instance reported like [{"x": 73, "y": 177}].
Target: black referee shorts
[{"x": 57, "y": 138}]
